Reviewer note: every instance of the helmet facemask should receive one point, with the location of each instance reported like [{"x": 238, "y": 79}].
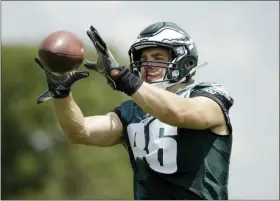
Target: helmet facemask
[{"x": 179, "y": 64}]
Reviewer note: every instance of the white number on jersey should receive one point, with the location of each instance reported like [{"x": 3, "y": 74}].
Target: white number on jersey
[{"x": 159, "y": 148}]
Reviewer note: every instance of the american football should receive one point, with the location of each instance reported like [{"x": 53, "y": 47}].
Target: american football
[{"x": 61, "y": 52}]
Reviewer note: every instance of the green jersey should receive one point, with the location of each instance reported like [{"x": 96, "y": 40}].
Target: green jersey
[{"x": 178, "y": 163}]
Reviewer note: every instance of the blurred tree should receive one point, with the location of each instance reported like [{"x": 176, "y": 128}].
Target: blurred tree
[{"x": 37, "y": 161}]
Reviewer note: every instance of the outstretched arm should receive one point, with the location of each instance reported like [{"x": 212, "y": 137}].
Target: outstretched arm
[{"x": 104, "y": 130}]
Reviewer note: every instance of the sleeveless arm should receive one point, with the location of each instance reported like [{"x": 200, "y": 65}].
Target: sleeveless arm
[
  {"x": 103, "y": 130},
  {"x": 194, "y": 113}
]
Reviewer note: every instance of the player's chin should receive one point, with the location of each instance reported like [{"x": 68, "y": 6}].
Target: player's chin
[{"x": 149, "y": 81}]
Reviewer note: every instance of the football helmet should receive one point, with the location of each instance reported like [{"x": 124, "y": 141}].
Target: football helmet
[{"x": 183, "y": 52}]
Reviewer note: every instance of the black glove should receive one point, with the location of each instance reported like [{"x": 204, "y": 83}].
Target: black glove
[
  {"x": 59, "y": 85},
  {"x": 118, "y": 77}
]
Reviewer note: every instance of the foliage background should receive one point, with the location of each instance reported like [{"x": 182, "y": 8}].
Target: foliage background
[{"x": 37, "y": 160}]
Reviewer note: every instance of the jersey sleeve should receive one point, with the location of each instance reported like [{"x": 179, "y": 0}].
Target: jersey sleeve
[
  {"x": 217, "y": 93},
  {"x": 123, "y": 112},
  {"x": 118, "y": 111}
]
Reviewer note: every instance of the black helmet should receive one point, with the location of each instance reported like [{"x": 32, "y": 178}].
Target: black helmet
[{"x": 182, "y": 48}]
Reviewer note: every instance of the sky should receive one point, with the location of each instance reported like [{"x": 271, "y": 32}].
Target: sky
[{"x": 239, "y": 40}]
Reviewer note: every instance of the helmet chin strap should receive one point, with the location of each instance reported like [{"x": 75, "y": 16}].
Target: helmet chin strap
[
  {"x": 160, "y": 83},
  {"x": 164, "y": 84}
]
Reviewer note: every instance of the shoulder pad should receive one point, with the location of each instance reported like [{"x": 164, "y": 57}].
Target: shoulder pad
[{"x": 213, "y": 89}]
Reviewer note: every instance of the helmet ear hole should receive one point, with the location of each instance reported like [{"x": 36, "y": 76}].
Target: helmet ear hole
[{"x": 191, "y": 62}]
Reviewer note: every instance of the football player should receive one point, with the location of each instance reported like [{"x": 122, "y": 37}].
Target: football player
[{"x": 177, "y": 132}]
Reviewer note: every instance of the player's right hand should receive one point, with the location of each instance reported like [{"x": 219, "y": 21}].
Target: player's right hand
[
  {"x": 59, "y": 85},
  {"x": 118, "y": 77}
]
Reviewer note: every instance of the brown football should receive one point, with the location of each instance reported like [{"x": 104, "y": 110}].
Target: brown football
[{"x": 61, "y": 52}]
